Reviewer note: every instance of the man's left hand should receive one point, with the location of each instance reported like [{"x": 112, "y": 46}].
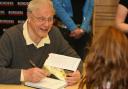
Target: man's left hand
[{"x": 73, "y": 78}]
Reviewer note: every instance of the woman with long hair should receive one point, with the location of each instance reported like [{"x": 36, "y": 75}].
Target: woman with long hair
[
  {"x": 121, "y": 19},
  {"x": 106, "y": 65}
]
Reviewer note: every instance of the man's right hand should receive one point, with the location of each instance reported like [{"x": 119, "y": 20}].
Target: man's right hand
[{"x": 34, "y": 74}]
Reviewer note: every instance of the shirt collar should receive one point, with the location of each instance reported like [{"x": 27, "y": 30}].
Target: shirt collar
[{"x": 29, "y": 41}]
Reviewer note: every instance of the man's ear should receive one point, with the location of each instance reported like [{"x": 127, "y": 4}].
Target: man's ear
[
  {"x": 28, "y": 20},
  {"x": 28, "y": 16}
]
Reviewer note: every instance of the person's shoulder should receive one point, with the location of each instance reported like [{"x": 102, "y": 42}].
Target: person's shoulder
[
  {"x": 54, "y": 29},
  {"x": 14, "y": 28},
  {"x": 124, "y": 2},
  {"x": 55, "y": 33}
]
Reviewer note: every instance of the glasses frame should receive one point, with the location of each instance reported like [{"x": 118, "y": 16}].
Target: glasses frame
[{"x": 43, "y": 19}]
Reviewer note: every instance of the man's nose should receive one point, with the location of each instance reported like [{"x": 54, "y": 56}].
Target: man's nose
[{"x": 46, "y": 24}]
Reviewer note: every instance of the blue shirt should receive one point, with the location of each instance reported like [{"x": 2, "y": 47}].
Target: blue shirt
[{"x": 65, "y": 12}]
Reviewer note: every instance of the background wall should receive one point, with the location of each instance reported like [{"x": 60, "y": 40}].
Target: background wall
[{"x": 12, "y": 12}]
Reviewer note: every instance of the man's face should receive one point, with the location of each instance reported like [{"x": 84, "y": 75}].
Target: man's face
[{"x": 41, "y": 21}]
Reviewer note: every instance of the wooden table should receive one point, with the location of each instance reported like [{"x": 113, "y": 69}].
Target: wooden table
[{"x": 7, "y": 86}]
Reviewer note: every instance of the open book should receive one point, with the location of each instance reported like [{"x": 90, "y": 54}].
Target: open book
[
  {"x": 62, "y": 61},
  {"x": 58, "y": 65},
  {"x": 55, "y": 64},
  {"x": 48, "y": 83}
]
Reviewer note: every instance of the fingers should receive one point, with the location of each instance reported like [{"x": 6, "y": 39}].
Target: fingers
[
  {"x": 78, "y": 33},
  {"x": 34, "y": 74},
  {"x": 72, "y": 34},
  {"x": 73, "y": 78}
]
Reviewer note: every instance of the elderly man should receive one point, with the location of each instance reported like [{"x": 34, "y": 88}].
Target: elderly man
[{"x": 32, "y": 42}]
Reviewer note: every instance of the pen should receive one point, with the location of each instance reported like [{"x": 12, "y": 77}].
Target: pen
[{"x": 32, "y": 63}]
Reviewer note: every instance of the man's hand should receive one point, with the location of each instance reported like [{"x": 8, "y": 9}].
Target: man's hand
[
  {"x": 34, "y": 74},
  {"x": 73, "y": 78}
]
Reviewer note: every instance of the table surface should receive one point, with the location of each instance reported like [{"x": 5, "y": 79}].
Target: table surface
[{"x": 7, "y": 86}]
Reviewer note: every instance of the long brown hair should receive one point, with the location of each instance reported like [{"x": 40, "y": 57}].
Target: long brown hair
[{"x": 107, "y": 61}]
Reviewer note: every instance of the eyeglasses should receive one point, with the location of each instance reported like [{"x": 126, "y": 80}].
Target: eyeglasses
[{"x": 43, "y": 19}]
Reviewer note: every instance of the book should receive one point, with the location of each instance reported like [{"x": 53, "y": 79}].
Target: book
[
  {"x": 57, "y": 72},
  {"x": 62, "y": 61},
  {"x": 57, "y": 65},
  {"x": 48, "y": 83}
]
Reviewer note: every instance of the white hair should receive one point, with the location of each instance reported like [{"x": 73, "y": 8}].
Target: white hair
[{"x": 35, "y": 4}]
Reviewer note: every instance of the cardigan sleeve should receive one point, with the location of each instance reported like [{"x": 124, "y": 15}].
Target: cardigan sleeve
[{"x": 8, "y": 75}]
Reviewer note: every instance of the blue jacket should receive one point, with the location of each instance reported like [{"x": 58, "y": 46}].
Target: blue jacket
[{"x": 64, "y": 12}]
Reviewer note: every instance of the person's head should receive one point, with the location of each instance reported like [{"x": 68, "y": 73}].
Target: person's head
[
  {"x": 107, "y": 60},
  {"x": 40, "y": 17}
]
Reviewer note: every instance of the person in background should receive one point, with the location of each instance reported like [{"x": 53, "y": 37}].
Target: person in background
[
  {"x": 106, "y": 65},
  {"x": 31, "y": 42},
  {"x": 75, "y": 17},
  {"x": 122, "y": 16}
]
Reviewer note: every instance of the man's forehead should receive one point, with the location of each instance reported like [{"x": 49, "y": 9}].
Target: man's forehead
[{"x": 44, "y": 9}]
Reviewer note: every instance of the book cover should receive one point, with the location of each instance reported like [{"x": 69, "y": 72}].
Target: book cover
[{"x": 48, "y": 83}]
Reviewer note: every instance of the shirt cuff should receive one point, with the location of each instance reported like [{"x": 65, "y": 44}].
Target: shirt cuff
[{"x": 22, "y": 76}]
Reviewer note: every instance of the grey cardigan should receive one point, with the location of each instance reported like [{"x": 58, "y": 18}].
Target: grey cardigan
[{"x": 15, "y": 54}]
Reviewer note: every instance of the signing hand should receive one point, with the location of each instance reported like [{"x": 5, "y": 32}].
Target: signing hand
[{"x": 34, "y": 74}]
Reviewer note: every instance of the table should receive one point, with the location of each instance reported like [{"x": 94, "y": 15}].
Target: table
[{"x": 7, "y": 86}]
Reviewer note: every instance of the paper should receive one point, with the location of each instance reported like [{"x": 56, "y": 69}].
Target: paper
[
  {"x": 61, "y": 61},
  {"x": 48, "y": 83},
  {"x": 59, "y": 73}
]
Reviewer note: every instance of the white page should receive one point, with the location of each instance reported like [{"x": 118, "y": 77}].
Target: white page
[
  {"x": 48, "y": 83},
  {"x": 61, "y": 61}
]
